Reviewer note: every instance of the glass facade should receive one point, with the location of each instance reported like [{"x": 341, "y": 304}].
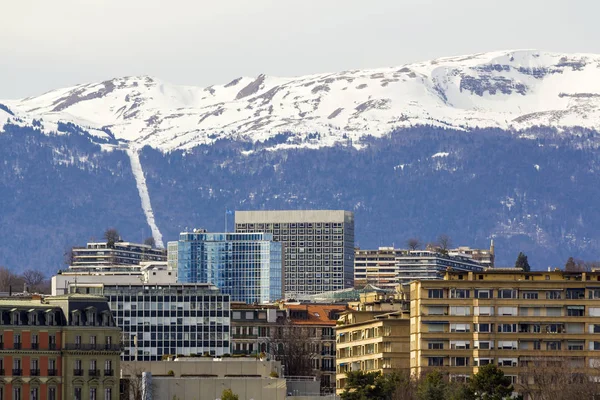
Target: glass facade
[
  {"x": 246, "y": 266},
  {"x": 162, "y": 320}
]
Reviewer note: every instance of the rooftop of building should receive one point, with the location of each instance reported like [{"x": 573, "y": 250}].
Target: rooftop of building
[
  {"x": 355, "y": 317},
  {"x": 517, "y": 274},
  {"x": 240, "y": 305},
  {"x": 339, "y": 296},
  {"x": 314, "y": 314},
  {"x": 293, "y": 216}
]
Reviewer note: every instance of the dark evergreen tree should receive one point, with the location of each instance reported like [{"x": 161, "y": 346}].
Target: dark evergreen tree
[
  {"x": 490, "y": 383},
  {"x": 522, "y": 262}
]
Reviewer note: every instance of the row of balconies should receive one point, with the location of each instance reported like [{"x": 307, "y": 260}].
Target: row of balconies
[
  {"x": 93, "y": 372},
  {"x": 32, "y": 346},
  {"x": 32, "y": 372},
  {"x": 98, "y": 347}
]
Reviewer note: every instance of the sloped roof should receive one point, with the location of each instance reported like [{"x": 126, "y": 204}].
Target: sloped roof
[{"x": 318, "y": 314}]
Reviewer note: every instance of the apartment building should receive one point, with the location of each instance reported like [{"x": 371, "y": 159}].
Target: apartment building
[
  {"x": 162, "y": 319},
  {"x": 245, "y": 266},
  {"x": 61, "y": 347},
  {"x": 511, "y": 318},
  {"x": 318, "y": 246},
  {"x": 101, "y": 255},
  {"x": 388, "y": 267},
  {"x": 370, "y": 341},
  {"x": 251, "y": 327},
  {"x": 376, "y": 267},
  {"x": 431, "y": 264},
  {"x": 318, "y": 321}
]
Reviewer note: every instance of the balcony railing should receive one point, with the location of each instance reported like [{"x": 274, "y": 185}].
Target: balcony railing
[
  {"x": 78, "y": 372},
  {"x": 94, "y": 372},
  {"x": 35, "y": 346},
  {"x": 1, "y": 371},
  {"x": 17, "y": 372},
  {"x": 108, "y": 372},
  {"x": 34, "y": 372},
  {"x": 52, "y": 372},
  {"x": 1, "y": 345},
  {"x": 17, "y": 346},
  {"x": 98, "y": 347},
  {"x": 52, "y": 346}
]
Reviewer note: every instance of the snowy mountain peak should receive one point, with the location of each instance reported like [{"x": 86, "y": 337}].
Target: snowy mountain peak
[{"x": 507, "y": 89}]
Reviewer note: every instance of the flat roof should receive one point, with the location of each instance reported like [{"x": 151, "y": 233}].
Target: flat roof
[{"x": 293, "y": 216}]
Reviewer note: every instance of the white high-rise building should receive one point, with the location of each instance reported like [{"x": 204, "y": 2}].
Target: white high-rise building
[{"x": 318, "y": 246}]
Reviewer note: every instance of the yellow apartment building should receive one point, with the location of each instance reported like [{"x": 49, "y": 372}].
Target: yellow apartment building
[
  {"x": 371, "y": 341},
  {"x": 512, "y": 318}
]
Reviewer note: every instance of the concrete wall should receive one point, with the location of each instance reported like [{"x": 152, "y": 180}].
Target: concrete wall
[
  {"x": 206, "y": 366},
  {"x": 211, "y": 388}
]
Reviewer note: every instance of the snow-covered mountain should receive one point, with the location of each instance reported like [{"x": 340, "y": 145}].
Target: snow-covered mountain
[
  {"x": 511, "y": 90},
  {"x": 428, "y": 148}
]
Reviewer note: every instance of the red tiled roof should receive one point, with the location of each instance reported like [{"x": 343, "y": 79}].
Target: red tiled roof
[{"x": 318, "y": 314}]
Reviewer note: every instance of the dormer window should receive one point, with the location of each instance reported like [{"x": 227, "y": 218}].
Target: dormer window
[
  {"x": 32, "y": 317},
  {"x": 49, "y": 318},
  {"x": 91, "y": 316},
  {"x": 76, "y": 318},
  {"x": 106, "y": 321},
  {"x": 15, "y": 318}
]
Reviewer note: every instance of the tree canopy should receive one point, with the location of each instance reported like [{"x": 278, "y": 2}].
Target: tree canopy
[{"x": 522, "y": 262}]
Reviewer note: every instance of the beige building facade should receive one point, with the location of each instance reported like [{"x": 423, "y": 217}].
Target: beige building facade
[
  {"x": 511, "y": 318},
  {"x": 371, "y": 341}
]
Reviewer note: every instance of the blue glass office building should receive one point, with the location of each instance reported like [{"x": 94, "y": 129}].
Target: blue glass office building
[{"x": 246, "y": 266}]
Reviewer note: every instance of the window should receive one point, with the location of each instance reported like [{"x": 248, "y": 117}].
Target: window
[
  {"x": 553, "y": 345},
  {"x": 460, "y": 327},
  {"x": 436, "y": 293},
  {"x": 575, "y": 311},
  {"x": 460, "y": 345},
  {"x": 553, "y": 295},
  {"x": 459, "y": 361},
  {"x": 435, "y": 345},
  {"x": 93, "y": 393},
  {"x": 507, "y": 311},
  {"x": 34, "y": 393},
  {"x": 17, "y": 341},
  {"x": 93, "y": 340},
  {"x": 530, "y": 295},
  {"x": 483, "y": 328},
  {"x": 594, "y": 293},
  {"x": 507, "y": 362},
  {"x": 481, "y": 310},
  {"x": 436, "y": 361},
  {"x": 78, "y": 342},
  {"x": 107, "y": 393},
  {"x": 483, "y": 294},
  {"x": 437, "y": 310},
  {"x": 459, "y": 293},
  {"x": 460, "y": 310},
  {"x": 52, "y": 342},
  {"x": 78, "y": 393},
  {"x": 507, "y": 344},
  {"x": 480, "y": 362},
  {"x": 507, "y": 328},
  {"x": 483, "y": 345},
  {"x": 595, "y": 328},
  {"x": 575, "y": 345},
  {"x": 508, "y": 294},
  {"x": 17, "y": 393}
]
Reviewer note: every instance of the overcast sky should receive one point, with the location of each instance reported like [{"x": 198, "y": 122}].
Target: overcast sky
[{"x": 50, "y": 44}]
